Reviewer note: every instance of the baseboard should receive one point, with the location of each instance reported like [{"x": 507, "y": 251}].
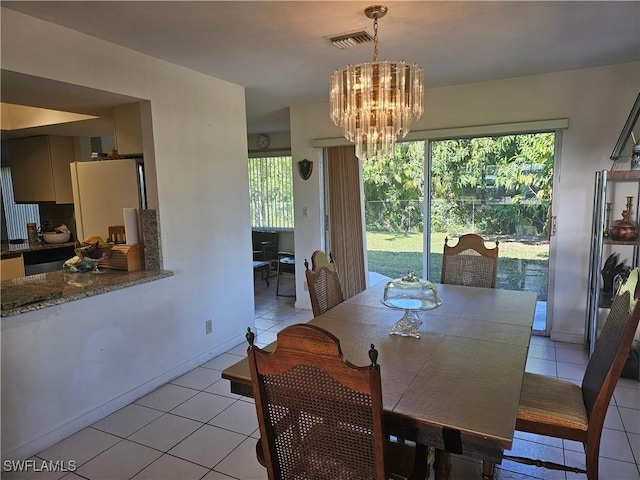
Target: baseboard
[
  {"x": 566, "y": 337},
  {"x": 87, "y": 419},
  {"x": 303, "y": 304}
]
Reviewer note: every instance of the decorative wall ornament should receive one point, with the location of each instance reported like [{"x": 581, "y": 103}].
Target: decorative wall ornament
[{"x": 305, "y": 168}]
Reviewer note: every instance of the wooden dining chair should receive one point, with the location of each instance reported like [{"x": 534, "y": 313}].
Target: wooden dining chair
[
  {"x": 323, "y": 282},
  {"x": 559, "y": 408},
  {"x": 320, "y": 416},
  {"x": 470, "y": 263}
]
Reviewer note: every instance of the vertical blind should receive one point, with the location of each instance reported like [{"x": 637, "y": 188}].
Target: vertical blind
[
  {"x": 271, "y": 192},
  {"x": 16, "y": 215},
  {"x": 345, "y": 218}
]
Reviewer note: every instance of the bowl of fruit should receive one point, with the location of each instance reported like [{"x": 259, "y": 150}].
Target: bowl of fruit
[
  {"x": 93, "y": 250},
  {"x": 60, "y": 235}
]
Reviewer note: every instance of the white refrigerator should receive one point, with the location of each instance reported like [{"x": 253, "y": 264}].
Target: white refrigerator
[{"x": 102, "y": 191}]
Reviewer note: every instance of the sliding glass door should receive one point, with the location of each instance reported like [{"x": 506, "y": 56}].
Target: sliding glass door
[
  {"x": 394, "y": 211},
  {"x": 499, "y": 187}
]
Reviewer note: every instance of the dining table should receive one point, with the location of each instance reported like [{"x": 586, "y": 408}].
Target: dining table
[{"x": 456, "y": 388}]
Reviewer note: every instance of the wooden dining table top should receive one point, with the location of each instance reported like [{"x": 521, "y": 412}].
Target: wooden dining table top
[{"x": 457, "y": 387}]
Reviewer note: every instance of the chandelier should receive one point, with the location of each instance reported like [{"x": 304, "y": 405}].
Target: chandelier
[{"x": 376, "y": 102}]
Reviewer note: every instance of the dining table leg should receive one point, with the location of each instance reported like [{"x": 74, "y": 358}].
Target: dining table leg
[
  {"x": 487, "y": 470},
  {"x": 442, "y": 465}
]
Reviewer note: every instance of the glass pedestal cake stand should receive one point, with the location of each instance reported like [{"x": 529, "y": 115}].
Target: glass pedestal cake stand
[{"x": 412, "y": 295}]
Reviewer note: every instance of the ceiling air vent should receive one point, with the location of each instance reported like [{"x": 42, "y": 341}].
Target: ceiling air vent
[{"x": 349, "y": 40}]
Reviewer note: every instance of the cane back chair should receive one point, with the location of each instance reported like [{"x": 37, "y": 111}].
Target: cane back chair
[
  {"x": 562, "y": 409},
  {"x": 325, "y": 290},
  {"x": 320, "y": 417},
  {"x": 469, "y": 262}
]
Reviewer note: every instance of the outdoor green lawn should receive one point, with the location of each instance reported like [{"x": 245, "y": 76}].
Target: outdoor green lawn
[{"x": 521, "y": 265}]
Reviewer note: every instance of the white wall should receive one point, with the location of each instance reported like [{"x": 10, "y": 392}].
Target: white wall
[
  {"x": 307, "y": 123},
  {"x": 596, "y": 101},
  {"x": 66, "y": 366}
]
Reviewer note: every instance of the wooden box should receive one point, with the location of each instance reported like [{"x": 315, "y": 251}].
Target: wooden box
[{"x": 124, "y": 257}]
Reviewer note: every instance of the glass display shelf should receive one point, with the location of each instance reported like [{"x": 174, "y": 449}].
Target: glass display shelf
[{"x": 608, "y": 241}]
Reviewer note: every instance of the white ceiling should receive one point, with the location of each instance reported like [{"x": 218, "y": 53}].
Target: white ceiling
[{"x": 277, "y": 50}]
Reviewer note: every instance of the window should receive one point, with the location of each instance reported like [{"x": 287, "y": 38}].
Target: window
[
  {"x": 271, "y": 193},
  {"x": 16, "y": 215}
]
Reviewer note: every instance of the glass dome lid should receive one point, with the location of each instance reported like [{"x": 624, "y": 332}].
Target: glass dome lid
[{"x": 411, "y": 293}]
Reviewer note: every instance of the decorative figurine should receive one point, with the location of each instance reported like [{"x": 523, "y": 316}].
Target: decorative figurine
[
  {"x": 607, "y": 220},
  {"x": 610, "y": 270},
  {"x": 635, "y": 156},
  {"x": 624, "y": 229}
]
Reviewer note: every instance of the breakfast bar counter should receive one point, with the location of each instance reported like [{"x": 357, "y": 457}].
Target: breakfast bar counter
[
  {"x": 34, "y": 292},
  {"x": 11, "y": 249}
]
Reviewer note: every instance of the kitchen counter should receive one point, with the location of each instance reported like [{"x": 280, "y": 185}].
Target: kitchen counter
[
  {"x": 34, "y": 292},
  {"x": 8, "y": 249}
]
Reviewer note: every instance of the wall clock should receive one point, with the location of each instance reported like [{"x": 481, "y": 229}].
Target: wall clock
[{"x": 264, "y": 141}]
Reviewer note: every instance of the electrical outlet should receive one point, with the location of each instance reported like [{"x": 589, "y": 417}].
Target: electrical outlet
[{"x": 208, "y": 327}]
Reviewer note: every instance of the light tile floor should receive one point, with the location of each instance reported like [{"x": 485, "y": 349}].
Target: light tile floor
[{"x": 194, "y": 428}]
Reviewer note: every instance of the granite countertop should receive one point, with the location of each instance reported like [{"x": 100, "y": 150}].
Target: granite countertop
[
  {"x": 9, "y": 249},
  {"x": 26, "y": 294}
]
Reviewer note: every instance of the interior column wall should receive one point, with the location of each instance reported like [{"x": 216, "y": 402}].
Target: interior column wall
[{"x": 54, "y": 385}]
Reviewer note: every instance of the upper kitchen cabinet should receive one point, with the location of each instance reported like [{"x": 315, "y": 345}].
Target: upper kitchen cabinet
[
  {"x": 128, "y": 128},
  {"x": 40, "y": 169}
]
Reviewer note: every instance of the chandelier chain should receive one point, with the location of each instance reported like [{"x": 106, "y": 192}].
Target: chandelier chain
[{"x": 375, "y": 40}]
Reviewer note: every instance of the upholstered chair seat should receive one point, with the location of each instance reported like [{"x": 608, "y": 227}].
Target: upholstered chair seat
[{"x": 552, "y": 401}]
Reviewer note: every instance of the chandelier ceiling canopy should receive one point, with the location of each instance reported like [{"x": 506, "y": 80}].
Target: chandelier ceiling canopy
[{"x": 376, "y": 102}]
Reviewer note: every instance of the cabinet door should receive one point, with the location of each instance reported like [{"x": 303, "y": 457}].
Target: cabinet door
[
  {"x": 31, "y": 170},
  {"x": 128, "y": 129},
  {"x": 61, "y": 149},
  {"x": 12, "y": 267},
  {"x": 40, "y": 169}
]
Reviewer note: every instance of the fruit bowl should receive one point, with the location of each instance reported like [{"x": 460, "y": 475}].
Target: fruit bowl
[
  {"x": 94, "y": 250},
  {"x": 55, "y": 237}
]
